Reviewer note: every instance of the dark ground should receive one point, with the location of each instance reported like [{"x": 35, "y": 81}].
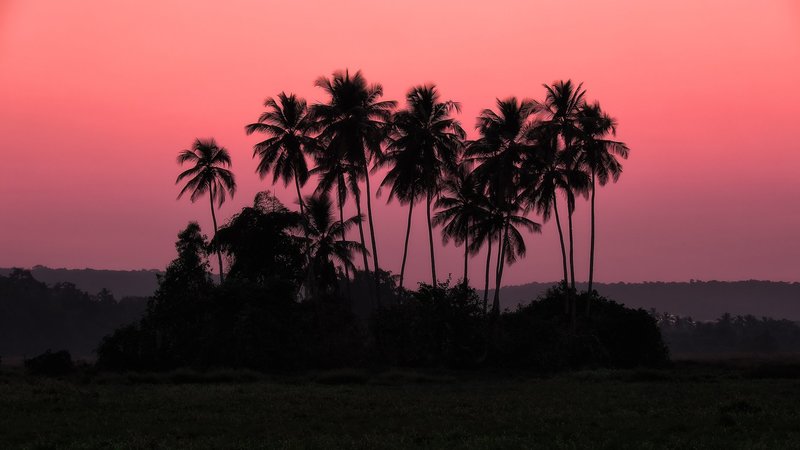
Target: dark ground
[{"x": 723, "y": 404}]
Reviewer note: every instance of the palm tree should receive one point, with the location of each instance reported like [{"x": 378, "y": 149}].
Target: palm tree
[
  {"x": 501, "y": 150},
  {"x": 287, "y": 125},
  {"x": 423, "y": 143},
  {"x": 324, "y": 246},
  {"x": 546, "y": 173},
  {"x": 336, "y": 173},
  {"x": 210, "y": 174},
  {"x": 353, "y": 125},
  {"x": 598, "y": 155},
  {"x": 561, "y": 107},
  {"x": 459, "y": 208}
]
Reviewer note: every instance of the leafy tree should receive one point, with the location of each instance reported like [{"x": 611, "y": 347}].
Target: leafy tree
[
  {"x": 287, "y": 124},
  {"x": 210, "y": 174},
  {"x": 353, "y": 126},
  {"x": 260, "y": 243},
  {"x": 423, "y": 145}
]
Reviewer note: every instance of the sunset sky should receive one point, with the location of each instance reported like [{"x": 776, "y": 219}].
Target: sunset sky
[{"x": 97, "y": 97}]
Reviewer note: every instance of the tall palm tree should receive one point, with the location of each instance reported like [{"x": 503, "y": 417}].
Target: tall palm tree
[
  {"x": 459, "y": 208},
  {"x": 287, "y": 125},
  {"x": 423, "y": 143},
  {"x": 546, "y": 173},
  {"x": 501, "y": 150},
  {"x": 353, "y": 125},
  {"x": 562, "y": 104},
  {"x": 210, "y": 174},
  {"x": 598, "y": 155},
  {"x": 324, "y": 246}
]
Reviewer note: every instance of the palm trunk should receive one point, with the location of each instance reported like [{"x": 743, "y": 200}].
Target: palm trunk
[
  {"x": 563, "y": 251},
  {"x": 466, "y": 256},
  {"x": 573, "y": 300},
  {"x": 299, "y": 195},
  {"x": 486, "y": 286},
  {"x": 570, "y": 210},
  {"x": 219, "y": 252},
  {"x": 560, "y": 239},
  {"x": 372, "y": 238},
  {"x": 405, "y": 246},
  {"x": 499, "y": 274},
  {"x": 591, "y": 249},
  {"x": 430, "y": 239},
  {"x": 341, "y": 224},
  {"x": 361, "y": 231}
]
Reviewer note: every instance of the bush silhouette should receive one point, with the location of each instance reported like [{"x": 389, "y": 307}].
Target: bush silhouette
[{"x": 50, "y": 364}]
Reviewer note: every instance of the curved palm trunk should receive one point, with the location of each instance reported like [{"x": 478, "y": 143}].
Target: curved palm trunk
[
  {"x": 563, "y": 250},
  {"x": 299, "y": 195},
  {"x": 591, "y": 248},
  {"x": 361, "y": 232},
  {"x": 486, "y": 285},
  {"x": 430, "y": 239},
  {"x": 570, "y": 210},
  {"x": 560, "y": 239},
  {"x": 466, "y": 256},
  {"x": 372, "y": 238},
  {"x": 499, "y": 274},
  {"x": 405, "y": 246},
  {"x": 219, "y": 252},
  {"x": 573, "y": 305},
  {"x": 341, "y": 224}
]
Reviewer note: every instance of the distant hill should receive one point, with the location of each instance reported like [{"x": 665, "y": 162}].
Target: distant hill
[
  {"x": 701, "y": 300},
  {"x": 122, "y": 283}
]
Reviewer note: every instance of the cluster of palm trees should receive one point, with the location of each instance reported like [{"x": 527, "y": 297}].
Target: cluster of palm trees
[{"x": 528, "y": 155}]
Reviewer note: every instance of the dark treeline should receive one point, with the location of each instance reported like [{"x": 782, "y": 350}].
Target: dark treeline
[
  {"x": 123, "y": 283},
  {"x": 285, "y": 306},
  {"x": 729, "y": 335},
  {"x": 35, "y": 317}
]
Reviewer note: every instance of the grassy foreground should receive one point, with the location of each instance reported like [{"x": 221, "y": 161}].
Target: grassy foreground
[{"x": 687, "y": 407}]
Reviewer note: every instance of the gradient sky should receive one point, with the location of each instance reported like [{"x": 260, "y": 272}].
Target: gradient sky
[{"x": 97, "y": 98}]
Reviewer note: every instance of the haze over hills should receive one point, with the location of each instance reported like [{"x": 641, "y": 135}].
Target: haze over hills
[
  {"x": 702, "y": 300},
  {"x": 122, "y": 283}
]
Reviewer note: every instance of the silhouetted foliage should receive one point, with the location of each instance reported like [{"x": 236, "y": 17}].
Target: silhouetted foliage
[
  {"x": 729, "y": 334},
  {"x": 539, "y": 336},
  {"x": 50, "y": 364},
  {"x": 432, "y": 326},
  {"x": 35, "y": 316}
]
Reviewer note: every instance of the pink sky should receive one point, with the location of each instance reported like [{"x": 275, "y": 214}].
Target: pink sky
[{"x": 97, "y": 98}]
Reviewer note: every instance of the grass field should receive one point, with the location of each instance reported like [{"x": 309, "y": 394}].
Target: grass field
[{"x": 691, "y": 406}]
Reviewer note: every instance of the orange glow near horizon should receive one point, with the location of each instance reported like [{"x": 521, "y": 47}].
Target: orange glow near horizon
[{"x": 97, "y": 98}]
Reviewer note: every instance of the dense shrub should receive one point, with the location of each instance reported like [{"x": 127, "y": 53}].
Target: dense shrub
[
  {"x": 540, "y": 335},
  {"x": 50, "y": 364},
  {"x": 432, "y": 326}
]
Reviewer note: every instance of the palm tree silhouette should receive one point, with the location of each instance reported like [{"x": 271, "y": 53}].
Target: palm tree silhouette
[
  {"x": 598, "y": 155},
  {"x": 562, "y": 105},
  {"x": 287, "y": 125},
  {"x": 501, "y": 150},
  {"x": 545, "y": 174},
  {"x": 324, "y": 246},
  {"x": 353, "y": 125},
  {"x": 335, "y": 173},
  {"x": 459, "y": 207},
  {"x": 423, "y": 143},
  {"x": 209, "y": 174}
]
